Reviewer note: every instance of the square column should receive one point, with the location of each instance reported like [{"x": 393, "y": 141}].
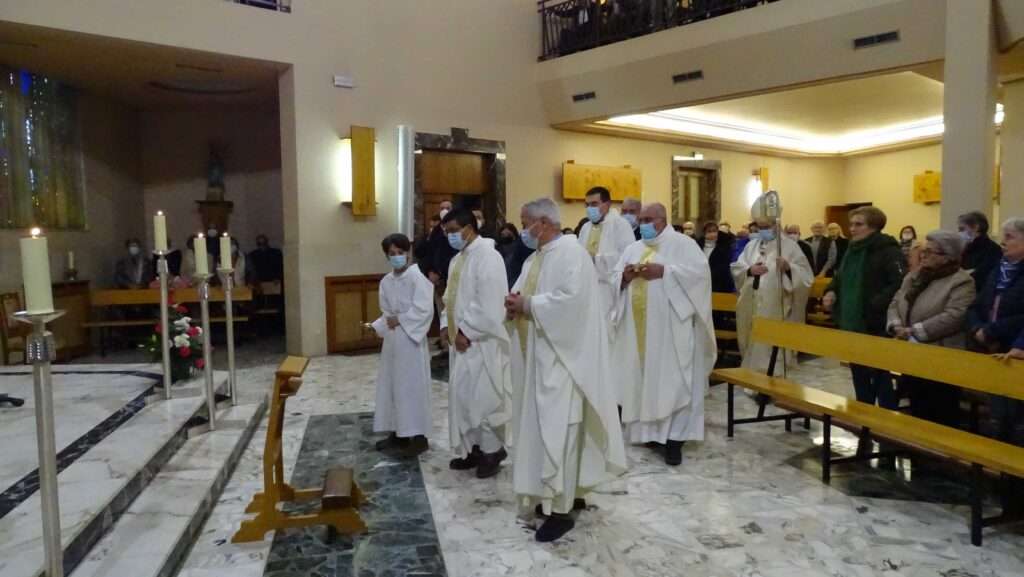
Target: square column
[{"x": 969, "y": 106}]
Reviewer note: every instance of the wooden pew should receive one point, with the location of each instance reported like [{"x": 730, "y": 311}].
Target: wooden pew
[
  {"x": 340, "y": 497},
  {"x": 970, "y": 371},
  {"x": 816, "y": 314},
  {"x": 724, "y": 305}
]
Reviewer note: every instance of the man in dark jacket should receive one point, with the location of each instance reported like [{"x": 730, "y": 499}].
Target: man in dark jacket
[
  {"x": 717, "y": 247},
  {"x": 824, "y": 254},
  {"x": 981, "y": 254},
  {"x": 631, "y": 212},
  {"x": 859, "y": 296}
]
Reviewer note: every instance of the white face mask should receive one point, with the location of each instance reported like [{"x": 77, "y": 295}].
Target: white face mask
[
  {"x": 794, "y": 236},
  {"x": 479, "y": 223},
  {"x": 133, "y": 250},
  {"x": 444, "y": 213}
]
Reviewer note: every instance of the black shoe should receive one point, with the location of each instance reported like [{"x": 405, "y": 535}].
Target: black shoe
[
  {"x": 414, "y": 447},
  {"x": 557, "y": 525},
  {"x": 655, "y": 445},
  {"x": 577, "y": 505},
  {"x": 490, "y": 463},
  {"x": 391, "y": 442},
  {"x": 674, "y": 453},
  {"x": 470, "y": 461}
]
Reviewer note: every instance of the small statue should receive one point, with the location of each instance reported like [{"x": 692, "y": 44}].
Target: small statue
[{"x": 215, "y": 175}]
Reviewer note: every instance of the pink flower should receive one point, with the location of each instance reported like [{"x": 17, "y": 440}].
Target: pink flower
[
  {"x": 200, "y": 363},
  {"x": 184, "y": 352}
]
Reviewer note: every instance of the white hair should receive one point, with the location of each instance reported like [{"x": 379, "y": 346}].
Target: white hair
[
  {"x": 630, "y": 201},
  {"x": 543, "y": 208},
  {"x": 1015, "y": 223}
]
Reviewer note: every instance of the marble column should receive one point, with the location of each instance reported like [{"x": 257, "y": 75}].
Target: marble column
[
  {"x": 969, "y": 105},
  {"x": 1011, "y": 138}
]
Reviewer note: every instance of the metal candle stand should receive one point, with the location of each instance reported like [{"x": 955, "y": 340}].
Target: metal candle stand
[
  {"x": 40, "y": 351},
  {"x": 165, "y": 331},
  {"x": 204, "y": 305},
  {"x": 227, "y": 277}
]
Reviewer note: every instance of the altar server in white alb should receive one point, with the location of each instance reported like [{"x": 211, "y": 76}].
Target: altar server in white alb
[
  {"x": 664, "y": 312},
  {"x": 403, "y": 378},
  {"x": 606, "y": 235},
  {"x": 763, "y": 293},
  {"x": 473, "y": 326},
  {"x": 568, "y": 438}
]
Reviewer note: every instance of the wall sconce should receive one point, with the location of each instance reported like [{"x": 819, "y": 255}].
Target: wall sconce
[
  {"x": 355, "y": 171},
  {"x": 757, "y": 185}
]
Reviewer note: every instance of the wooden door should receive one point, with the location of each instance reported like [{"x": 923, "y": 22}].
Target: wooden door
[
  {"x": 351, "y": 302},
  {"x": 460, "y": 177},
  {"x": 692, "y": 199}
]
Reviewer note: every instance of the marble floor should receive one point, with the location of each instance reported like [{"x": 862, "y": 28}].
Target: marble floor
[{"x": 748, "y": 506}]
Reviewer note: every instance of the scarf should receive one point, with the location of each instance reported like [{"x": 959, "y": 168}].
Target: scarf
[
  {"x": 851, "y": 278},
  {"x": 923, "y": 278},
  {"x": 1007, "y": 272}
]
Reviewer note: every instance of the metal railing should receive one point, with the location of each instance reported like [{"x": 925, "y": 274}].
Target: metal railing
[
  {"x": 569, "y": 26},
  {"x": 278, "y": 5}
]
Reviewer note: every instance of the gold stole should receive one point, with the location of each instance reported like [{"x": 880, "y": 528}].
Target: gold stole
[
  {"x": 451, "y": 294},
  {"x": 638, "y": 294},
  {"x": 529, "y": 288},
  {"x": 594, "y": 240}
]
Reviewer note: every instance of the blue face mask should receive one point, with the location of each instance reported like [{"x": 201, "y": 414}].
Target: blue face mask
[
  {"x": 594, "y": 214},
  {"x": 766, "y": 235},
  {"x": 631, "y": 219},
  {"x": 528, "y": 239},
  {"x": 647, "y": 231},
  {"x": 967, "y": 236},
  {"x": 398, "y": 261},
  {"x": 456, "y": 241}
]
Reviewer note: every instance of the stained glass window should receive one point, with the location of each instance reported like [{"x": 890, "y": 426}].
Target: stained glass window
[{"x": 41, "y": 180}]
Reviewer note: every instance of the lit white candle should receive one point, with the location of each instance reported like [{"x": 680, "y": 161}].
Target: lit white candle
[
  {"x": 71, "y": 260},
  {"x": 225, "y": 251},
  {"x": 200, "y": 249},
  {"x": 160, "y": 231},
  {"x": 35, "y": 274}
]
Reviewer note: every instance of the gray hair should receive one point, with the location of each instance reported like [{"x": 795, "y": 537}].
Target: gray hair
[
  {"x": 950, "y": 243},
  {"x": 630, "y": 202},
  {"x": 1014, "y": 223},
  {"x": 543, "y": 208}
]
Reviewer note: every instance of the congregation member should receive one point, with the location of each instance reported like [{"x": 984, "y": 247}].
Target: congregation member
[
  {"x": 769, "y": 283},
  {"x": 188, "y": 261},
  {"x": 238, "y": 263},
  {"x": 931, "y": 307},
  {"x": 403, "y": 377},
  {"x": 982, "y": 254},
  {"x": 473, "y": 329},
  {"x": 911, "y": 248},
  {"x": 667, "y": 347},
  {"x": 801, "y": 294},
  {"x": 690, "y": 229},
  {"x": 793, "y": 232},
  {"x": 742, "y": 238},
  {"x": 173, "y": 257},
  {"x": 835, "y": 232},
  {"x": 995, "y": 322},
  {"x": 132, "y": 271},
  {"x": 568, "y": 436},
  {"x": 717, "y": 246},
  {"x": 824, "y": 255},
  {"x": 512, "y": 251},
  {"x": 631, "y": 212},
  {"x": 439, "y": 253},
  {"x": 859, "y": 295},
  {"x": 266, "y": 263}
]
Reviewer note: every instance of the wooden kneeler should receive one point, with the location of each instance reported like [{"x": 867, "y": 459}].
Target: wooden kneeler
[{"x": 339, "y": 498}]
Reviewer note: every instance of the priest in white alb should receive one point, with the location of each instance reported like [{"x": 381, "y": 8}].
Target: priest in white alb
[
  {"x": 568, "y": 439},
  {"x": 666, "y": 336},
  {"x": 764, "y": 292},
  {"x": 403, "y": 377},
  {"x": 473, "y": 326}
]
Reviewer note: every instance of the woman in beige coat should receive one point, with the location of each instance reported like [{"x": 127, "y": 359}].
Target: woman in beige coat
[{"x": 930, "y": 308}]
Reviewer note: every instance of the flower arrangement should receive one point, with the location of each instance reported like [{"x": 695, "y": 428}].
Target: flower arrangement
[{"x": 185, "y": 342}]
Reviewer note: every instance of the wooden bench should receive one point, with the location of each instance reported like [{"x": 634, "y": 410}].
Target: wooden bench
[
  {"x": 816, "y": 314},
  {"x": 339, "y": 497},
  {"x": 723, "y": 306},
  {"x": 964, "y": 369}
]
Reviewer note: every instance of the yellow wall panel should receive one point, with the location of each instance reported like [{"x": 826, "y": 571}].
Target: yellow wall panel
[
  {"x": 364, "y": 193},
  {"x": 622, "y": 182}
]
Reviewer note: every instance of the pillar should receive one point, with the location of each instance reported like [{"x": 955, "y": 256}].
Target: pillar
[
  {"x": 1011, "y": 138},
  {"x": 969, "y": 104}
]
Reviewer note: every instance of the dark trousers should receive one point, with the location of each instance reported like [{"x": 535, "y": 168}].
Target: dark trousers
[
  {"x": 874, "y": 385},
  {"x": 933, "y": 401},
  {"x": 1007, "y": 413}
]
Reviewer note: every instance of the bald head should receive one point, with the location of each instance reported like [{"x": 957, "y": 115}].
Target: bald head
[
  {"x": 630, "y": 206},
  {"x": 655, "y": 213}
]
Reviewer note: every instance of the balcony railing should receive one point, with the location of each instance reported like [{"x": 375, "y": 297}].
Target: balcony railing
[
  {"x": 278, "y": 5},
  {"x": 569, "y": 26}
]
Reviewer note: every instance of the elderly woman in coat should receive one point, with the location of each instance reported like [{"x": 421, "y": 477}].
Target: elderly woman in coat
[{"x": 930, "y": 307}]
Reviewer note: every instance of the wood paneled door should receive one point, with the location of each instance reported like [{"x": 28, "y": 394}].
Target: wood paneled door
[
  {"x": 454, "y": 176},
  {"x": 351, "y": 302}
]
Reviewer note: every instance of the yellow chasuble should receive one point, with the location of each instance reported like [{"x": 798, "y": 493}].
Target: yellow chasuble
[
  {"x": 594, "y": 240},
  {"x": 451, "y": 294},
  {"x": 638, "y": 293},
  {"x": 529, "y": 288}
]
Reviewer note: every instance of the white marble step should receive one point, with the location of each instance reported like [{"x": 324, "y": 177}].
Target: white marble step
[
  {"x": 155, "y": 533},
  {"x": 102, "y": 483}
]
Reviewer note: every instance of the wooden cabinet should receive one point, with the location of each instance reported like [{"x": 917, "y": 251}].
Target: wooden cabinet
[{"x": 351, "y": 302}]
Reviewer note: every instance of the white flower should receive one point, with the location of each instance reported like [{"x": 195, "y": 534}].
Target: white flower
[
  {"x": 181, "y": 341},
  {"x": 170, "y": 343},
  {"x": 181, "y": 324}
]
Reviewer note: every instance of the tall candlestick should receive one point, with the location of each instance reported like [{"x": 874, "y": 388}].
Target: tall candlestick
[
  {"x": 35, "y": 272},
  {"x": 160, "y": 231},
  {"x": 71, "y": 259},
  {"x": 225, "y": 251},
  {"x": 202, "y": 267}
]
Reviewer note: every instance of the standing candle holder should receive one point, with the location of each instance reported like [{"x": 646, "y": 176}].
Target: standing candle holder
[
  {"x": 165, "y": 331},
  {"x": 40, "y": 351},
  {"x": 204, "y": 306},
  {"x": 227, "y": 276}
]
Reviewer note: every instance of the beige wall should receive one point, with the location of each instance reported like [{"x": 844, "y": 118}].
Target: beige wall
[
  {"x": 112, "y": 192},
  {"x": 175, "y": 155},
  {"x": 887, "y": 181}
]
